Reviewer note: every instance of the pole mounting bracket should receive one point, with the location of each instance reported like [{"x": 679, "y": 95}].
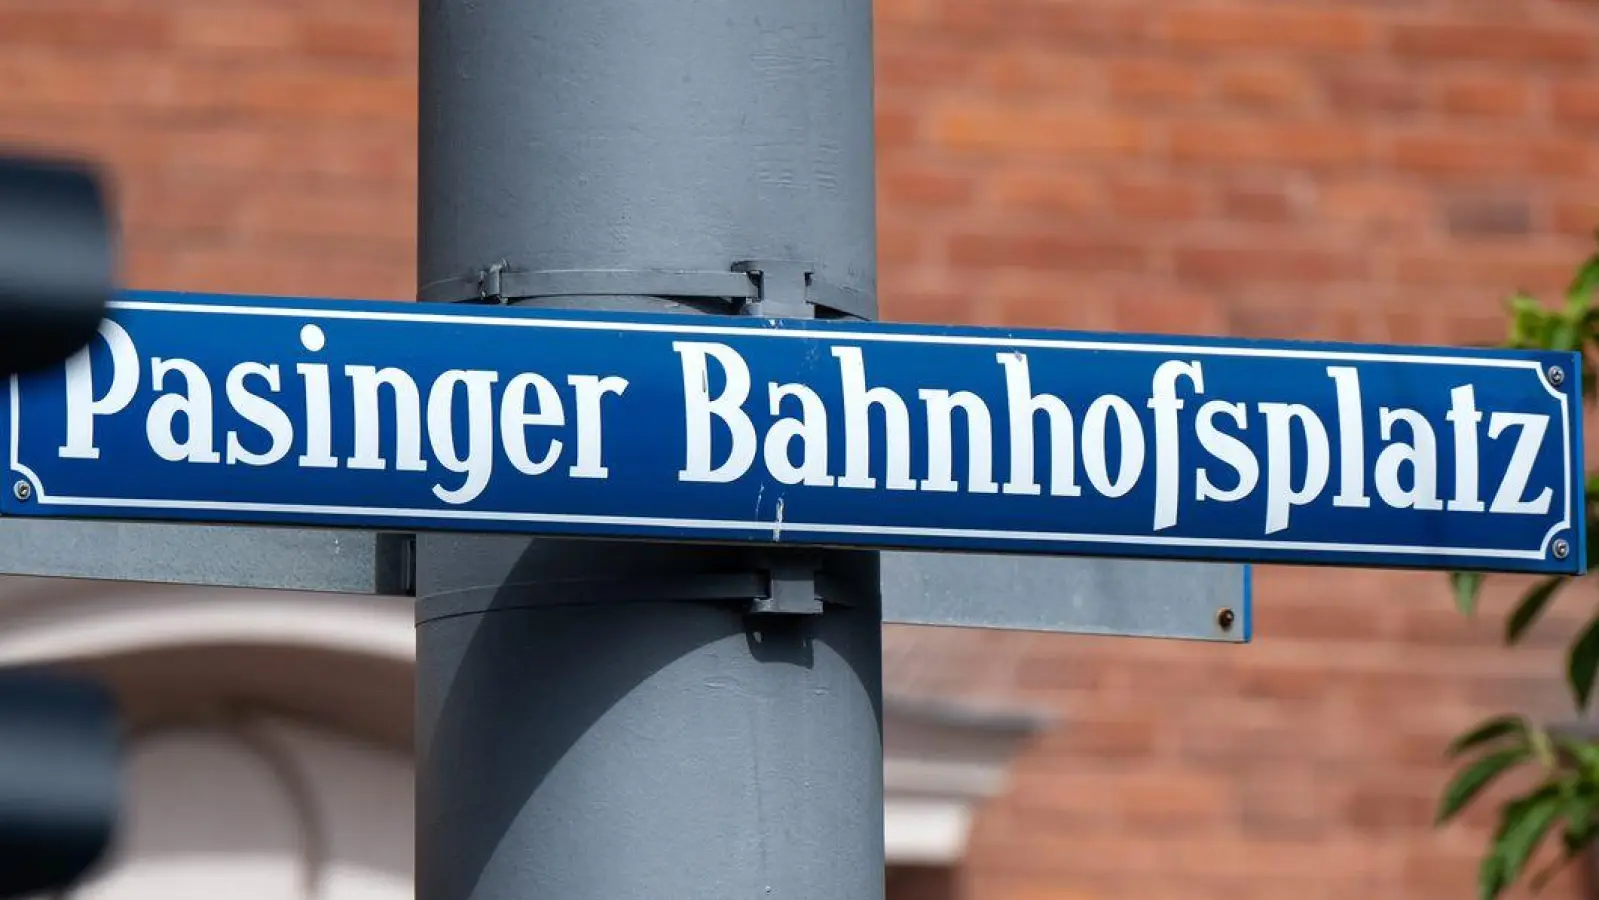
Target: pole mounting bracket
[
  {"x": 761, "y": 287},
  {"x": 792, "y": 589},
  {"x": 783, "y": 288},
  {"x": 788, "y": 587},
  {"x": 789, "y": 288}
]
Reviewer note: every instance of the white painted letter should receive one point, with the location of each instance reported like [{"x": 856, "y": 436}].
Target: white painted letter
[
  {"x": 478, "y": 463},
  {"x": 1164, "y": 401},
  {"x": 1024, "y": 406},
  {"x": 1465, "y": 416},
  {"x": 195, "y": 406},
  {"x": 260, "y": 412},
  {"x": 1351, "y": 440},
  {"x": 1421, "y": 454},
  {"x": 515, "y": 418},
  {"x": 1281, "y": 497},
  {"x": 318, "y": 404},
  {"x": 1228, "y": 449},
  {"x": 728, "y": 406},
  {"x": 811, "y": 430},
  {"x": 365, "y": 382},
  {"x": 1508, "y": 498},
  {"x": 82, "y": 407},
  {"x": 941, "y": 407},
  {"x": 591, "y": 391},
  {"x": 858, "y": 403},
  {"x": 1095, "y": 451}
]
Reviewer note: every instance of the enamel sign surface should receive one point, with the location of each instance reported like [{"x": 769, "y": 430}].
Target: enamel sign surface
[{"x": 746, "y": 429}]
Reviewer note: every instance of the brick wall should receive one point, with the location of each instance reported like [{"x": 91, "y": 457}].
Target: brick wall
[
  {"x": 264, "y": 146},
  {"x": 1359, "y": 170},
  {"x": 1287, "y": 168},
  {"x": 1382, "y": 171}
]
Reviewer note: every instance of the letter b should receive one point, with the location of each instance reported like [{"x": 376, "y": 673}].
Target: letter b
[{"x": 699, "y": 407}]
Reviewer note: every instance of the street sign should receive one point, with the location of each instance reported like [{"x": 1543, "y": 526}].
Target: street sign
[{"x": 747, "y": 429}]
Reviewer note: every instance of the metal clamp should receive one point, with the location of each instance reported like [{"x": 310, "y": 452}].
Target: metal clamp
[
  {"x": 789, "y": 289},
  {"x": 783, "y": 589},
  {"x": 749, "y": 286},
  {"x": 500, "y": 283},
  {"x": 791, "y": 589}
]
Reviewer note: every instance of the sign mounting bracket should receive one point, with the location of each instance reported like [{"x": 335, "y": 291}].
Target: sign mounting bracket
[{"x": 747, "y": 286}]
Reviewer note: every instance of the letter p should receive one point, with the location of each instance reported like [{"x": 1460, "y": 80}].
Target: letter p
[{"x": 83, "y": 407}]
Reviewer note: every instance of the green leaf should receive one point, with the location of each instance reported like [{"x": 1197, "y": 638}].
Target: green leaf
[
  {"x": 1583, "y": 283},
  {"x": 1586, "y": 755},
  {"x": 1543, "y": 749},
  {"x": 1466, "y": 585},
  {"x": 1583, "y": 663},
  {"x": 1531, "y": 607},
  {"x": 1563, "y": 334},
  {"x": 1579, "y": 813},
  {"x": 1527, "y": 321},
  {"x": 1489, "y": 731},
  {"x": 1472, "y": 779},
  {"x": 1491, "y": 881},
  {"x": 1577, "y": 808},
  {"x": 1523, "y": 824}
]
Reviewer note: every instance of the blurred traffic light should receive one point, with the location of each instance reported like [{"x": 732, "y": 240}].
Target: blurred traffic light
[
  {"x": 59, "y": 736},
  {"x": 57, "y": 267},
  {"x": 59, "y": 780}
]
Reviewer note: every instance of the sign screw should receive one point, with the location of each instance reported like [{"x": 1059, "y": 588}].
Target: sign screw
[
  {"x": 1557, "y": 376},
  {"x": 1562, "y": 548},
  {"x": 22, "y": 490},
  {"x": 1225, "y": 619}
]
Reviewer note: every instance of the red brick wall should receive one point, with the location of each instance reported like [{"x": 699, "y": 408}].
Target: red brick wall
[
  {"x": 1357, "y": 170},
  {"x": 1290, "y": 168},
  {"x": 1360, "y": 170},
  {"x": 264, "y": 146}
]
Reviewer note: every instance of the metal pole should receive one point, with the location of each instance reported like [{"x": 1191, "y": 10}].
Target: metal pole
[{"x": 603, "y": 721}]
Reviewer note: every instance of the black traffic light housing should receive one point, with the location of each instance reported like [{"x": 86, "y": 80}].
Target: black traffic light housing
[
  {"x": 56, "y": 261},
  {"x": 59, "y": 735},
  {"x": 59, "y": 780}
]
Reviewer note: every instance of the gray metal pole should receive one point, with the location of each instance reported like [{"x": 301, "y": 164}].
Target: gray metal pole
[{"x": 629, "y": 721}]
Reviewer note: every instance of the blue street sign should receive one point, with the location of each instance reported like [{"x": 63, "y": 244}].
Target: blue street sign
[{"x": 395, "y": 415}]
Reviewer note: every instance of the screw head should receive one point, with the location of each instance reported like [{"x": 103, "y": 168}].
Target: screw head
[
  {"x": 22, "y": 490},
  {"x": 1562, "y": 548},
  {"x": 1557, "y": 376},
  {"x": 1225, "y": 619}
]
